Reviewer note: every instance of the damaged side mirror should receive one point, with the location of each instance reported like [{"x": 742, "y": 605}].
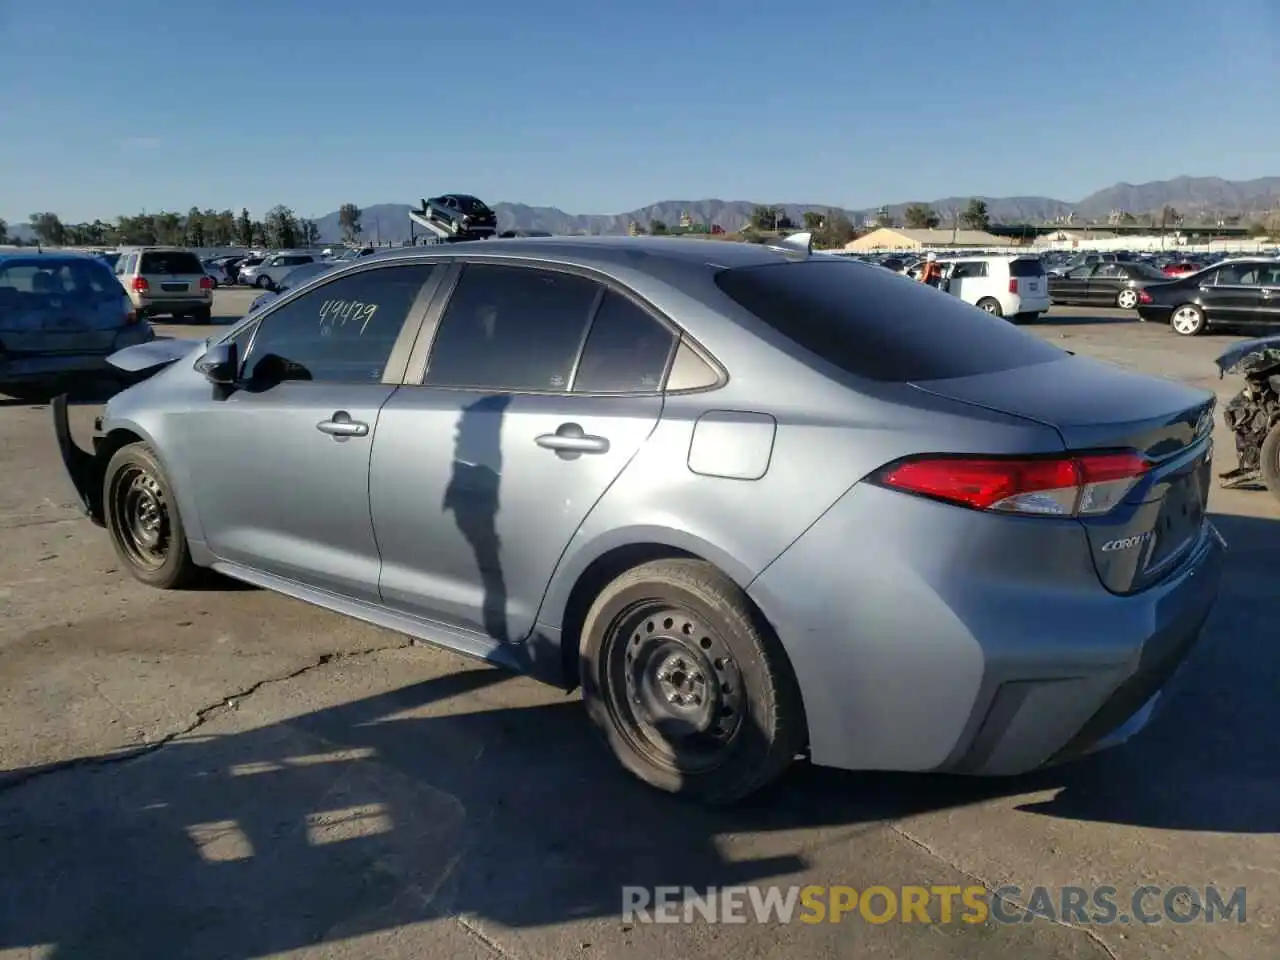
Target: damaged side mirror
[{"x": 220, "y": 364}]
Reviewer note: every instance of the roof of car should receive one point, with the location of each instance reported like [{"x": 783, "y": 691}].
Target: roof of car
[
  {"x": 55, "y": 255},
  {"x": 611, "y": 248}
]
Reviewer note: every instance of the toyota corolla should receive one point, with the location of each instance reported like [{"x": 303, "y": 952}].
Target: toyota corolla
[{"x": 759, "y": 504}]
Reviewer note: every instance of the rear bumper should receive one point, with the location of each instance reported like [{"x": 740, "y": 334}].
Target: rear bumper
[
  {"x": 84, "y": 469},
  {"x": 149, "y": 306},
  {"x": 965, "y": 643},
  {"x": 37, "y": 367}
]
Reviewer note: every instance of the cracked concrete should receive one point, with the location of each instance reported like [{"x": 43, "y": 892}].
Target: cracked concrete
[{"x": 228, "y": 773}]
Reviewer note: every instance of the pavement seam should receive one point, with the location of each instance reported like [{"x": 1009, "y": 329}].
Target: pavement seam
[
  {"x": 917, "y": 842},
  {"x": 473, "y": 931},
  {"x": 200, "y": 718}
]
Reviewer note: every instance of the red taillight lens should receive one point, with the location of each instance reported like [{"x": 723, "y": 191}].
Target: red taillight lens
[
  {"x": 206, "y": 283},
  {"x": 1013, "y": 284},
  {"x": 140, "y": 284},
  {"x": 1077, "y": 485},
  {"x": 1144, "y": 297}
]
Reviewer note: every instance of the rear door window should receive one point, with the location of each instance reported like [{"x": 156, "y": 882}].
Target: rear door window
[
  {"x": 511, "y": 330},
  {"x": 626, "y": 351},
  {"x": 874, "y": 325},
  {"x": 170, "y": 263}
]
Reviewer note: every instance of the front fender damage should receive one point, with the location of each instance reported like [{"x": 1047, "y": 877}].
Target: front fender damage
[{"x": 86, "y": 470}]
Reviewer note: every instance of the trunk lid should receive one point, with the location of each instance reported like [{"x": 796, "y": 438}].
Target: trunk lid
[{"x": 1099, "y": 406}]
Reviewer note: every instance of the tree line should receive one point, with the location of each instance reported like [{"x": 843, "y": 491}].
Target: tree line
[{"x": 279, "y": 227}]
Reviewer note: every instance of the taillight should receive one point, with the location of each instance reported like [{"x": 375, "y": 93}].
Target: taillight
[
  {"x": 1144, "y": 297},
  {"x": 1013, "y": 284},
  {"x": 206, "y": 283},
  {"x": 140, "y": 285},
  {"x": 1075, "y": 485}
]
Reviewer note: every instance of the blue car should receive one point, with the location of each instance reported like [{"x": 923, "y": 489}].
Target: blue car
[{"x": 61, "y": 315}]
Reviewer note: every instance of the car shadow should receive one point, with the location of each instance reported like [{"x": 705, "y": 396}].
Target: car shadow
[
  {"x": 1070, "y": 320},
  {"x": 439, "y": 799},
  {"x": 80, "y": 391}
]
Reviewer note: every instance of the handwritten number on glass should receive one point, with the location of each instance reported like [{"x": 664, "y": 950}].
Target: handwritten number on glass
[{"x": 340, "y": 313}]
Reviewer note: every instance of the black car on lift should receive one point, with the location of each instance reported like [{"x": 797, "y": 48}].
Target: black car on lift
[
  {"x": 1105, "y": 284},
  {"x": 1243, "y": 292},
  {"x": 461, "y": 213}
]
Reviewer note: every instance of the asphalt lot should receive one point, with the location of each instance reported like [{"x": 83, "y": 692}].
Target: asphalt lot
[{"x": 228, "y": 773}]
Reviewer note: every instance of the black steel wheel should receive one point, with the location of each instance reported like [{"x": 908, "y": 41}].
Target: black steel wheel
[
  {"x": 143, "y": 519},
  {"x": 688, "y": 684}
]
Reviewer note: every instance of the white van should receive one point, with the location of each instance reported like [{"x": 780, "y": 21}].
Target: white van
[{"x": 1004, "y": 286}]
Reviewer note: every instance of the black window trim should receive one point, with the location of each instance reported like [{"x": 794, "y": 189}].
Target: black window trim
[
  {"x": 416, "y": 372},
  {"x": 398, "y": 360}
]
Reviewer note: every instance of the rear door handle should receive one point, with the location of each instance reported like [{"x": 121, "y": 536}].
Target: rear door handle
[
  {"x": 570, "y": 441},
  {"x": 341, "y": 425}
]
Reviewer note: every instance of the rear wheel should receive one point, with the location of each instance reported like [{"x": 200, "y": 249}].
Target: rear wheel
[
  {"x": 1270, "y": 461},
  {"x": 203, "y": 315},
  {"x": 1021, "y": 318},
  {"x": 991, "y": 306},
  {"x": 688, "y": 684},
  {"x": 1127, "y": 299},
  {"x": 1187, "y": 320},
  {"x": 142, "y": 518}
]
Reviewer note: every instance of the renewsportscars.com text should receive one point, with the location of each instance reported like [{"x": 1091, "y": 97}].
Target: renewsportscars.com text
[{"x": 1100, "y": 905}]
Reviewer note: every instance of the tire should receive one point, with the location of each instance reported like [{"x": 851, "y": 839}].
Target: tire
[
  {"x": 991, "y": 306},
  {"x": 142, "y": 519},
  {"x": 649, "y": 643},
  {"x": 263, "y": 282},
  {"x": 203, "y": 315},
  {"x": 1187, "y": 320},
  {"x": 1021, "y": 318},
  {"x": 1127, "y": 299},
  {"x": 1270, "y": 461}
]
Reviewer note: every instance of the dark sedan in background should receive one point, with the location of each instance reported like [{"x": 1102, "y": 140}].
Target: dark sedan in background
[
  {"x": 1116, "y": 284},
  {"x": 1245, "y": 292}
]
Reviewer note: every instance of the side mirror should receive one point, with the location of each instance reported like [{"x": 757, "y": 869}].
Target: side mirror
[{"x": 220, "y": 364}]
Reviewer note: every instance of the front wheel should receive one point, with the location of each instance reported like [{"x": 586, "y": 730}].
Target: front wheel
[
  {"x": 1188, "y": 320},
  {"x": 1270, "y": 461},
  {"x": 688, "y": 684},
  {"x": 1127, "y": 299},
  {"x": 991, "y": 306},
  {"x": 142, "y": 519},
  {"x": 263, "y": 283}
]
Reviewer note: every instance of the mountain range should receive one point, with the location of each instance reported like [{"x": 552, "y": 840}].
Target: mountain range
[
  {"x": 1195, "y": 197},
  {"x": 1191, "y": 196}
]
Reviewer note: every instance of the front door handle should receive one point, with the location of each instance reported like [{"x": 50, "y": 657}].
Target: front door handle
[
  {"x": 570, "y": 441},
  {"x": 341, "y": 425}
]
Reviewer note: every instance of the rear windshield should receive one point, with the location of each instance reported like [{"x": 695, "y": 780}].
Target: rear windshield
[
  {"x": 51, "y": 282},
  {"x": 1026, "y": 267},
  {"x": 874, "y": 324},
  {"x": 170, "y": 262}
]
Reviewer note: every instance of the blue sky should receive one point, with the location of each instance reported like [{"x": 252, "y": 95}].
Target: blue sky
[{"x": 605, "y": 106}]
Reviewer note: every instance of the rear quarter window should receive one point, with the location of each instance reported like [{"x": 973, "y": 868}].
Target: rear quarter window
[
  {"x": 874, "y": 324},
  {"x": 170, "y": 262}
]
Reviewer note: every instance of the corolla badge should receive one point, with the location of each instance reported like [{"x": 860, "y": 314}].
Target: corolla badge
[{"x": 1126, "y": 543}]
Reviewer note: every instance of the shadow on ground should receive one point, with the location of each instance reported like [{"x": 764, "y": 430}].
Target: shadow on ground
[
  {"x": 1066, "y": 320},
  {"x": 398, "y": 808}
]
